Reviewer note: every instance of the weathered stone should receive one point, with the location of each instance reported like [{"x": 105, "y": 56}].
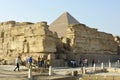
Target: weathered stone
[
  {"x": 89, "y": 40},
  {"x": 17, "y": 31},
  {"x": 25, "y": 38}
]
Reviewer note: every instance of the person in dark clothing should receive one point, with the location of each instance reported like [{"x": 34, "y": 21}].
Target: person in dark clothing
[
  {"x": 93, "y": 62},
  {"x": 39, "y": 59},
  {"x": 80, "y": 63},
  {"x": 17, "y": 63},
  {"x": 30, "y": 61}
]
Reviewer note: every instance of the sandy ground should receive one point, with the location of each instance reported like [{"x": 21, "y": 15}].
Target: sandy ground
[{"x": 7, "y": 72}]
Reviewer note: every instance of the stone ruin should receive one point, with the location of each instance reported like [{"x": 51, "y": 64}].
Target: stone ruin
[
  {"x": 35, "y": 39},
  {"x": 26, "y": 39},
  {"x": 88, "y": 40}
]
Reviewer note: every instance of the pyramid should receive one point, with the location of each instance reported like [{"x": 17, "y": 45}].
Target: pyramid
[{"x": 61, "y": 23}]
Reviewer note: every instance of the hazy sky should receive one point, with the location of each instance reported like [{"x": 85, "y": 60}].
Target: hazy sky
[{"x": 101, "y": 14}]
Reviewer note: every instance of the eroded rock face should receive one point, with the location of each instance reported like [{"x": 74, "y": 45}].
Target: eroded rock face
[
  {"x": 88, "y": 40},
  {"x": 20, "y": 38}
]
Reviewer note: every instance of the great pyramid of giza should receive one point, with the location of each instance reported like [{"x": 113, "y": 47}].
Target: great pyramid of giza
[{"x": 61, "y": 23}]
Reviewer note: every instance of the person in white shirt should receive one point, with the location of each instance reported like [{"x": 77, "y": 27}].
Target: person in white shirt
[{"x": 17, "y": 63}]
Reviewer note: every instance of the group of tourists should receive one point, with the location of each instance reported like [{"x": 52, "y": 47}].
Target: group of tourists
[
  {"x": 18, "y": 61},
  {"x": 84, "y": 62},
  {"x": 40, "y": 63},
  {"x": 43, "y": 62}
]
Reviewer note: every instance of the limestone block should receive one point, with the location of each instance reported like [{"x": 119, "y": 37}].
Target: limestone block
[
  {"x": 49, "y": 45},
  {"x": 43, "y": 23},
  {"x": 18, "y": 45},
  {"x": 8, "y": 39},
  {"x": 36, "y": 46},
  {"x": 1, "y": 34},
  {"x": 18, "y": 38},
  {"x": 50, "y": 33},
  {"x": 1, "y": 51},
  {"x": 17, "y": 31},
  {"x": 14, "y": 31},
  {"x": 7, "y": 33},
  {"x": 24, "y": 23},
  {"x": 1, "y": 45},
  {"x": 39, "y": 31},
  {"x": 9, "y": 23},
  {"x": 42, "y": 45},
  {"x": 84, "y": 39},
  {"x": 28, "y": 31},
  {"x": 1, "y": 40}
]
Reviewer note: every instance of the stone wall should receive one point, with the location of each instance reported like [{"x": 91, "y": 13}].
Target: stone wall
[
  {"x": 23, "y": 38},
  {"x": 88, "y": 40},
  {"x": 36, "y": 39}
]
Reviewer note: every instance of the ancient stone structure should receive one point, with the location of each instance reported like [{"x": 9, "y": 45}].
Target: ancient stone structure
[
  {"x": 88, "y": 40},
  {"x": 61, "y": 24},
  {"x": 26, "y": 39},
  {"x": 75, "y": 40},
  {"x": 81, "y": 41},
  {"x": 90, "y": 43}
]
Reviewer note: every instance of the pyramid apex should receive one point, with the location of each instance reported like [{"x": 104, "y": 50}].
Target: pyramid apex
[
  {"x": 60, "y": 25},
  {"x": 66, "y": 12},
  {"x": 66, "y": 18}
]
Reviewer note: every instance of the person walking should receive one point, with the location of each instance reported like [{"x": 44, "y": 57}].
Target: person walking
[
  {"x": 80, "y": 62},
  {"x": 17, "y": 63},
  {"x": 30, "y": 61},
  {"x": 48, "y": 63},
  {"x": 39, "y": 59},
  {"x": 93, "y": 62}
]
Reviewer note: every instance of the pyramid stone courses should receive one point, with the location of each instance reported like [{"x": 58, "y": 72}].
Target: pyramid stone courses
[{"x": 61, "y": 23}]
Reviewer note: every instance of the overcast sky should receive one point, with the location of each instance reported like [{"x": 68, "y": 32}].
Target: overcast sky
[{"x": 101, "y": 14}]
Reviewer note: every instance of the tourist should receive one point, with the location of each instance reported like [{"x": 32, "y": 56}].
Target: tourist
[
  {"x": 17, "y": 63},
  {"x": 83, "y": 62},
  {"x": 80, "y": 62},
  {"x": 48, "y": 63},
  {"x": 30, "y": 61},
  {"x": 73, "y": 63},
  {"x": 39, "y": 59},
  {"x": 93, "y": 62},
  {"x": 45, "y": 63},
  {"x": 42, "y": 62},
  {"x": 86, "y": 62}
]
